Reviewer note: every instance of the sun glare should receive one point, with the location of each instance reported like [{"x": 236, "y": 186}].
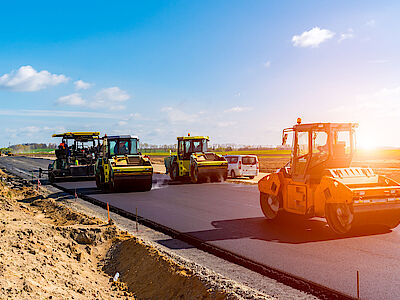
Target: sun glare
[{"x": 366, "y": 143}]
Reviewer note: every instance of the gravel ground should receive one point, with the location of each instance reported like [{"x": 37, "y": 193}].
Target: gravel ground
[{"x": 217, "y": 274}]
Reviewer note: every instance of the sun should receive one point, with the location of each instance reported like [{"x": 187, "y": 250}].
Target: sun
[{"x": 366, "y": 143}]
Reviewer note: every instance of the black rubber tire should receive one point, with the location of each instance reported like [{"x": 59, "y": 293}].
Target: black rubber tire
[
  {"x": 233, "y": 175},
  {"x": 392, "y": 225},
  {"x": 98, "y": 182},
  {"x": 52, "y": 178},
  {"x": 269, "y": 205},
  {"x": 340, "y": 217},
  {"x": 173, "y": 173},
  {"x": 148, "y": 185},
  {"x": 194, "y": 175},
  {"x": 112, "y": 186},
  {"x": 251, "y": 177}
]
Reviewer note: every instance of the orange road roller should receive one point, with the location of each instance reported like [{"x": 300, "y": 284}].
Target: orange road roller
[{"x": 319, "y": 182}]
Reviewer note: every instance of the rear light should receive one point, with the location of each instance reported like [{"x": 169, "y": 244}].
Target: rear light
[
  {"x": 258, "y": 165},
  {"x": 240, "y": 165}
]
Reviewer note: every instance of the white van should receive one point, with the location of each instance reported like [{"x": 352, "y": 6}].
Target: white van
[{"x": 242, "y": 165}]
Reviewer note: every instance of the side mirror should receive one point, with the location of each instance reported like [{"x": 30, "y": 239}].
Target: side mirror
[{"x": 284, "y": 139}]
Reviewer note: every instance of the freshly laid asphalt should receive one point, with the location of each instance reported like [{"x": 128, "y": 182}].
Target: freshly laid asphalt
[{"x": 228, "y": 216}]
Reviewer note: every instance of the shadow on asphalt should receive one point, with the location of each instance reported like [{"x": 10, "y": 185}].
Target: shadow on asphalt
[{"x": 283, "y": 230}]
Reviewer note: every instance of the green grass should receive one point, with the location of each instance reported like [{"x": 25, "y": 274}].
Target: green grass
[
  {"x": 41, "y": 151},
  {"x": 158, "y": 153},
  {"x": 241, "y": 152},
  {"x": 257, "y": 152}
]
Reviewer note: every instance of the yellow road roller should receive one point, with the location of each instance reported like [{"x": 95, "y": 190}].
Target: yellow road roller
[
  {"x": 121, "y": 167},
  {"x": 194, "y": 161},
  {"x": 319, "y": 182}
]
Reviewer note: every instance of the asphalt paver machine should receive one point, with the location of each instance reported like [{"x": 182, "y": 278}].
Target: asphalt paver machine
[
  {"x": 195, "y": 162},
  {"x": 75, "y": 157},
  {"x": 319, "y": 182}
]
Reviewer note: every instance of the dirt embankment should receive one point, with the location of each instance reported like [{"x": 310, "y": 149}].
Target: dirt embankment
[
  {"x": 48, "y": 251},
  {"x": 154, "y": 276}
]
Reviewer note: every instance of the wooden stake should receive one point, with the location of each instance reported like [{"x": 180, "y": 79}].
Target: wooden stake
[
  {"x": 137, "y": 227},
  {"x": 108, "y": 213},
  {"x": 358, "y": 285}
]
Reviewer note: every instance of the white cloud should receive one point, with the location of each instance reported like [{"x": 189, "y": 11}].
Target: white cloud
[
  {"x": 238, "y": 109},
  {"x": 114, "y": 94},
  {"x": 134, "y": 116},
  {"x": 27, "y": 79},
  {"x": 56, "y": 113},
  {"x": 111, "y": 98},
  {"x": 267, "y": 64},
  {"x": 226, "y": 124},
  {"x": 82, "y": 85},
  {"x": 175, "y": 115},
  {"x": 371, "y": 23},
  {"x": 122, "y": 123},
  {"x": 73, "y": 99},
  {"x": 345, "y": 36},
  {"x": 33, "y": 132},
  {"x": 312, "y": 38}
]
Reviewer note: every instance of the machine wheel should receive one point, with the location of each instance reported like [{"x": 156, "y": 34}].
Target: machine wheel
[
  {"x": 98, "y": 182},
  {"x": 233, "y": 175},
  {"x": 392, "y": 224},
  {"x": 340, "y": 217},
  {"x": 269, "y": 205},
  {"x": 52, "y": 178},
  {"x": 113, "y": 186},
  {"x": 173, "y": 174},
  {"x": 194, "y": 175},
  {"x": 148, "y": 185}
]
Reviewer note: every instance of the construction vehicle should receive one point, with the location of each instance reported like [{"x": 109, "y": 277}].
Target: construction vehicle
[
  {"x": 121, "y": 167},
  {"x": 319, "y": 182},
  {"x": 193, "y": 160},
  {"x": 75, "y": 157}
]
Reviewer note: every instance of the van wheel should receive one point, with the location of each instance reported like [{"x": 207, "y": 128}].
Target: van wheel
[
  {"x": 251, "y": 177},
  {"x": 269, "y": 205},
  {"x": 233, "y": 175}
]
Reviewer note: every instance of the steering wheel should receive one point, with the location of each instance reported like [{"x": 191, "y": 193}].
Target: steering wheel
[
  {"x": 287, "y": 168},
  {"x": 303, "y": 156}
]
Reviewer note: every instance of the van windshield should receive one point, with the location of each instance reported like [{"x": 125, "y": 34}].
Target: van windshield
[
  {"x": 248, "y": 160},
  {"x": 232, "y": 160}
]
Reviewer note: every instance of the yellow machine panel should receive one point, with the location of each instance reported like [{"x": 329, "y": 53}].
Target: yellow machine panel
[{"x": 296, "y": 200}]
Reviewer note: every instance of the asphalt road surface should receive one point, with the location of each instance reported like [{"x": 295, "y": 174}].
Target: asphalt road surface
[{"x": 228, "y": 216}]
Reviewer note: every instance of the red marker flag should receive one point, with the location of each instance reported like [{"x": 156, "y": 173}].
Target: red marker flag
[{"x": 38, "y": 184}]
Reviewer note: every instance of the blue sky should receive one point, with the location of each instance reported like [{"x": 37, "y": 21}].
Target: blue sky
[{"x": 238, "y": 71}]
